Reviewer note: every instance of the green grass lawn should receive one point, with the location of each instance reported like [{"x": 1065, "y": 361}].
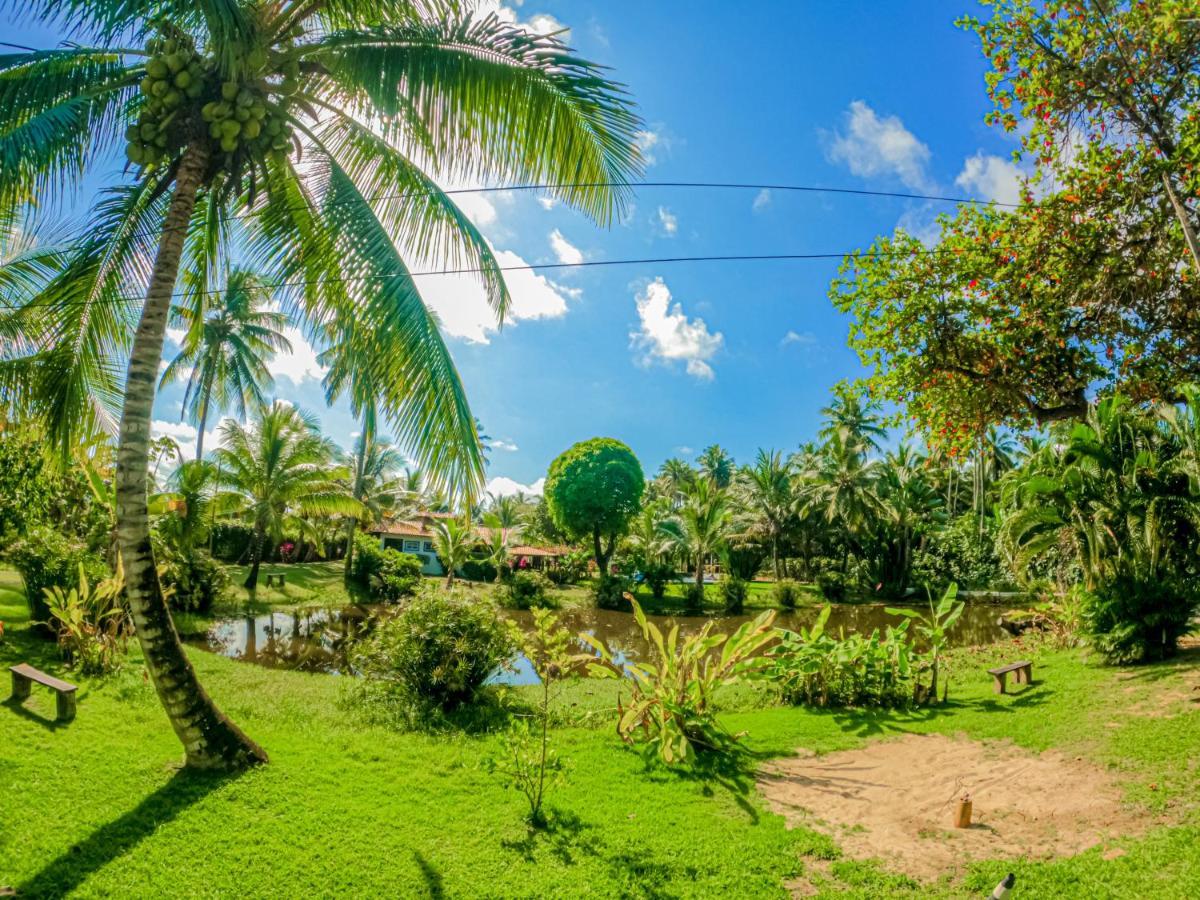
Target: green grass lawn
[{"x": 100, "y": 808}]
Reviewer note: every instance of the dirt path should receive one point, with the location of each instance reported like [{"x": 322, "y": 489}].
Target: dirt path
[{"x": 895, "y": 800}]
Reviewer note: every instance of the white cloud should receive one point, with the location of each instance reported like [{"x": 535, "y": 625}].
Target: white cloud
[
  {"x": 872, "y": 146},
  {"x": 761, "y": 200},
  {"x": 462, "y": 306},
  {"x": 543, "y": 23},
  {"x": 806, "y": 338},
  {"x": 506, "y": 446},
  {"x": 667, "y": 222},
  {"x": 994, "y": 177},
  {"x": 502, "y": 486},
  {"x": 184, "y": 435},
  {"x": 921, "y": 222},
  {"x": 547, "y": 202},
  {"x": 566, "y": 252},
  {"x": 667, "y": 335},
  {"x": 301, "y": 363},
  {"x": 684, "y": 450},
  {"x": 651, "y": 143}
]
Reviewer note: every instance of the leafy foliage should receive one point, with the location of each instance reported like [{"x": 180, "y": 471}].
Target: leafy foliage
[
  {"x": 386, "y": 573},
  {"x": 526, "y": 590},
  {"x": 593, "y": 490},
  {"x": 91, "y": 623},
  {"x": 670, "y": 708},
  {"x": 48, "y": 560},
  {"x": 935, "y": 629},
  {"x": 812, "y": 667},
  {"x": 437, "y": 652}
]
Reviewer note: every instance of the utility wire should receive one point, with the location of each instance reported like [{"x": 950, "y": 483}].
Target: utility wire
[
  {"x": 594, "y": 263},
  {"x": 568, "y": 186}
]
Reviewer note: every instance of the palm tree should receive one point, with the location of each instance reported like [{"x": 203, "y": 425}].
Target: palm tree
[
  {"x": 374, "y": 484},
  {"x": 453, "y": 540},
  {"x": 853, "y": 420},
  {"x": 503, "y": 518},
  {"x": 764, "y": 493},
  {"x": 280, "y": 468},
  {"x": 227, "y": 350},
  {"x": 219, "y": 104},
  {"x": 907, "y": 506},
  {"x": 674, "y": 477},
  {"x": 838, "y": 486},
  {"x": 705, "y": 520},
  {"x": 716, "y": 465}
]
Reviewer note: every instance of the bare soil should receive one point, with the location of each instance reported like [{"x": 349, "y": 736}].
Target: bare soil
[{"x": 895, "y": 800}]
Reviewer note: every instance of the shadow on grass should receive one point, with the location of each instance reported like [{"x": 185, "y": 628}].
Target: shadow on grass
[
  {"x": 732, "y": 772},
  {"x": 109, "y": 842},
  {"x": 50, "y": 724},
  {"x": 563, "y": 835},
  {"x": 431, "y": 876}
]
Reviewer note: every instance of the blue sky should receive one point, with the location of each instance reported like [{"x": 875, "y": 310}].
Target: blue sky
[{"x": 671, "y": 358}]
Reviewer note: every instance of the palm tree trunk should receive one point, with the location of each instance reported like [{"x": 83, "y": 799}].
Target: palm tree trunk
[
  {"x": 211, "y": 740},
  {"x": 351, "y": 530},
  {"x": 256, "y": 552},
  {"x": 203, "y": 423}
]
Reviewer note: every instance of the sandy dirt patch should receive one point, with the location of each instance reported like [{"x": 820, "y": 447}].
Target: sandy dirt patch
[{"x": 895, "y": 800}]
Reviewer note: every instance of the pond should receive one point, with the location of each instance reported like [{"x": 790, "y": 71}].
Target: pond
[{"x": 317, "y": 640}]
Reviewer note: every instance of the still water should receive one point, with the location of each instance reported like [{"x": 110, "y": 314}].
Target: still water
[{"x": 317, "y": 640}]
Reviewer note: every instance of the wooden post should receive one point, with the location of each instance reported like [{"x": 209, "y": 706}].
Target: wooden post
[
  {"x": 66, "y": 706},
  {"x": 962, "y": 812},
  {"x": 20, "y": 687}
]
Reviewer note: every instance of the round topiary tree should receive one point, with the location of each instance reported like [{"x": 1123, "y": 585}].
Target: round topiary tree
[{"x": 593, "y": 490}]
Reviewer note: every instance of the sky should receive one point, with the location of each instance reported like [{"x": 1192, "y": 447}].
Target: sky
[{"x": 673, "y": 357}]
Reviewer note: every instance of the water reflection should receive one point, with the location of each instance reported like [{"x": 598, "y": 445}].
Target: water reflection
[{"x": 317, "y": 640}]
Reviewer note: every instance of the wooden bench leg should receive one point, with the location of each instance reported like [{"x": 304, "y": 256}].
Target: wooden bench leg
[
  {"x": 20, "y": 687},
  {"x": 1025, "y": 675},
  {"x": 998, "y": 683},
  {"x": 66, "y": 706}
]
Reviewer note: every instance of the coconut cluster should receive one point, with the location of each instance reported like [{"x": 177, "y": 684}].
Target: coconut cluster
[{"x": 184, "y": 93}]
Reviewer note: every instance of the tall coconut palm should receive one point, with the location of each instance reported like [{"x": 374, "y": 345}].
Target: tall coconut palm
[
  {"x": 764, "y": 493},
  {"x": 227, "y": 346},
  {"x": 853, "y": 419},
  {"x": 704, "y": 517},
  {"x": 280, "y": 467},
  {"x": 838, "y": 487},
  {"x": 373, "y": 482},
  {"x": 716, "y": 465},
  {"x": 452, "y": 541},
  {"x": 220, "y": 100},
  {"x": 674, "y": 477}
]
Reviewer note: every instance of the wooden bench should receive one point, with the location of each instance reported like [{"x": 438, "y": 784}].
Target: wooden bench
[
  {"x": 23, "y": 677},
  {"x": 275, "y": 579},
  {"x": 1024, "y": 670}
]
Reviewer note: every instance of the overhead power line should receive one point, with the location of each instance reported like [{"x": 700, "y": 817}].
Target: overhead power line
[{"x": 475, "y": 270}]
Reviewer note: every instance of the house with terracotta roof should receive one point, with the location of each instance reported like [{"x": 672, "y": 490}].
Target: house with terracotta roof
[{"x": 414, "y": 534}]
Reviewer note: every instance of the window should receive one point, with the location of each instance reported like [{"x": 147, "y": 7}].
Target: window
[
  {"x": 412, "y": 546},
  {"x": 429, "y": 546}
]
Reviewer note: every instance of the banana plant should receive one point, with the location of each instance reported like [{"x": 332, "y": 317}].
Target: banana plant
[
  {"x": 935, "y": 628},
  {"x": 670, "y": 709}
]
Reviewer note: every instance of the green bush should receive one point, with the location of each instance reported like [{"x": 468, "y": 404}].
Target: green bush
[
  {"x": 1140, "y": 620},
  {"x": 479, "y": 570},
  {"x": 437, "y": 653},
  {"x": 47, "y": 559},
  {"x": 387, "y": 575},
  {"x": 958, "y": 554},
  {"x": 526, "y": 590},
  {"x": 657, "y": 576},
  {"x": 733, "y": 594},
  {"x": 786, "y": 594},
  {"x": 570, "y": 569},
  {"x": 231, "y": 542},
  {"x": 694, "y": 595},
  {"x": 399, "y": 576},
  {"x": 196, "y": 580},
  {"x": 608, "y": 592},
  {"x": 832, "y": 585}
]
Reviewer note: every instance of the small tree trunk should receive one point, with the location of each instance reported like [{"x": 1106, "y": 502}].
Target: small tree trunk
[
  {"x": 1181, "y": 213},
  {"x": 601, "y": 556},
  {"x": 256, "y": 548},
  {"x": 203, "y": 423},
  {"x": 210, "y": 740},
  {"x": 351, "y": 530}
]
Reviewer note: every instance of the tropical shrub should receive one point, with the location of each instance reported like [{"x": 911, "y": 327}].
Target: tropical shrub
[
  {"x": 832, "y": 584},
  {"x": 47, "y": 559},
  {"x": 811, "y": 667},
  {"x": 196, "y": 580},
  {"x": 671, "y": 709},
  {"x": 525, "y": 590},
  {"x": 935, "y": 629},
  {"x": 657, "y": 576},
  {"x": 786, "y": 594},
  {"x": 480, "y": 570},
  {"x": 610, "y": 591},
  {"x": 733, "y": 592},
  {"x": 570, "y": 569},
  {"x": 694, "y": 596},
  {"x": 231, "y": 541},
  {"x": 91, "y": 622},
  {"x": 399, "y": 576},
  {"x": 958, "y": 554},
  {"x": 437, "y": 653},
  {"x": 368, "y": 559},
  {"x": 1139, "y": 619}
]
